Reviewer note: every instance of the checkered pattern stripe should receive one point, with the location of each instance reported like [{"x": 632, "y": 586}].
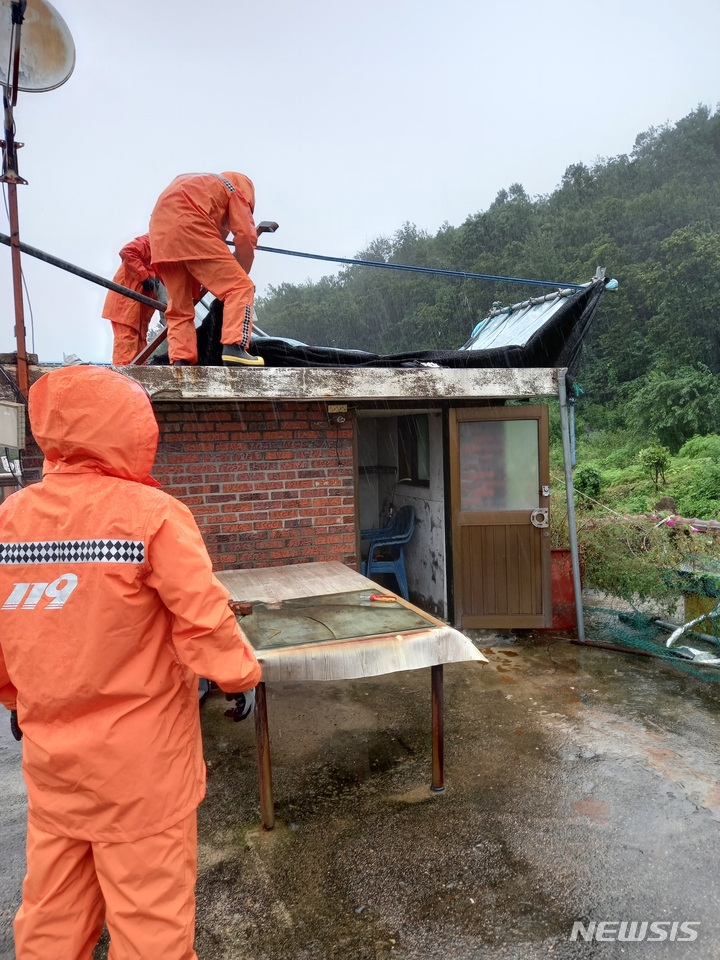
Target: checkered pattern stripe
[
  {"x": 227, "y": 183},
  {"x": 246, "y": 327},
  {"x": 73, "y": 551}
]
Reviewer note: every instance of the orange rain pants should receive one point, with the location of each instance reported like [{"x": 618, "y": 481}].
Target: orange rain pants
[
  {"x": 143, "y": 890},
  {"x": 224, "y": 278},
  {"x": 128, "y": 342},
  {"x": 188, "y": 228}
]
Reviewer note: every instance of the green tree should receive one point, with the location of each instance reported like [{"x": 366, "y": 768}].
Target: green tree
[
  {"x": 676, "y": 406},
  {"x": 655, "y": 460}
]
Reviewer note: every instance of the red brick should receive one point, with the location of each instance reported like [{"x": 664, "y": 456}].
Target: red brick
[
  {"x": 279, "y": 455},
  {"x": 268, "y": 483}
]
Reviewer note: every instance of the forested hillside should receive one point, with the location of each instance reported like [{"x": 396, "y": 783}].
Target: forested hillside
[{"x": 652, "y": 218}]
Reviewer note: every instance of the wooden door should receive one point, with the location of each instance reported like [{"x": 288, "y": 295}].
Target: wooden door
[{"x": 499, "y": 485}]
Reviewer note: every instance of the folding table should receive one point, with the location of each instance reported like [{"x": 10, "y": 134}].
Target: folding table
[{"x": 314, "y": 621}]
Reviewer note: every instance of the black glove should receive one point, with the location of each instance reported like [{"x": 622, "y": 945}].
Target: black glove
[
  {"x": 244, "y": 703},
  {"x": 148, "y": 285},
  {"x": 15, "y": 726}
]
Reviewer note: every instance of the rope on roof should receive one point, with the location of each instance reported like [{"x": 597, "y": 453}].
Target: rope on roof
[{"x": 433, "y": 270}]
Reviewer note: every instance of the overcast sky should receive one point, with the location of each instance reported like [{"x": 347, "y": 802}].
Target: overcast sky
[{"x": 350, "y": 118}]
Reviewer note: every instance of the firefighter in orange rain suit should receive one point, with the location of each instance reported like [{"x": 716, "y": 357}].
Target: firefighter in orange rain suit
[
  {"x": 109, "y": 612},
  {"x": 188, "y": 228},
  {"x": 130, "y": 319}
]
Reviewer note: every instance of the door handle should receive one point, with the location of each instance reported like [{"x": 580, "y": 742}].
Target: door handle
[{"x": 539, "y": 518}]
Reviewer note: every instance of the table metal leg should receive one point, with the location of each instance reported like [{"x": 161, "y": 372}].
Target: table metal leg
[
  {"x": 438, "y": 730},
  {"x": 262, "y": 735}
]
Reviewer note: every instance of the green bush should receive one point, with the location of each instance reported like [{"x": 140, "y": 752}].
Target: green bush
[
  {"x": 701, "y": 447},
  {"x": 700, "y": 492},
  {"x": 628, "y": 560},
  {"x": 655, "y": 460},
  {"x": 588, "y": 480}
]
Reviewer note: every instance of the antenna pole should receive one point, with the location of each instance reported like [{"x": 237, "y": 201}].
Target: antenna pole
[
  {"x": 12, "y": 178},
  {"x": 23, "y": 374}
]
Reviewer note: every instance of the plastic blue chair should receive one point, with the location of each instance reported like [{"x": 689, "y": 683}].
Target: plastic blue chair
[{"x": 387, "y": 548}]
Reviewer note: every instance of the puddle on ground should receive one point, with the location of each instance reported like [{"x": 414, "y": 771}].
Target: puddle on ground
[{"x": 595, "y": 810}]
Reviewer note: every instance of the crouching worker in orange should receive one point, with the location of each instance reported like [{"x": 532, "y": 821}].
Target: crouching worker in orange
[
  {"x": 109, "y": 612},
  {"x": 188, "y": 229},
  {"x": 130, "y": 319}
]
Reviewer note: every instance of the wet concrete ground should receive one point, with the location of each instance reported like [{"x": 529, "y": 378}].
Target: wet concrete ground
[
  {"x": 13, "y": 804},
  {"x": 582, "y": 785}
]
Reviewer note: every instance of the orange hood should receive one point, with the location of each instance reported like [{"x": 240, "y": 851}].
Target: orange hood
[
  {"x": 93, "y": 420},
  {"x": 243, "y": 185}
]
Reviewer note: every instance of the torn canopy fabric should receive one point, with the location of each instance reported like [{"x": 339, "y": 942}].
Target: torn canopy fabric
[{"x": 555, "y": 343}]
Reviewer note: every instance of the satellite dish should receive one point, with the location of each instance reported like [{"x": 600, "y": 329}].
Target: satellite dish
[{"x": 47, "y": 51}]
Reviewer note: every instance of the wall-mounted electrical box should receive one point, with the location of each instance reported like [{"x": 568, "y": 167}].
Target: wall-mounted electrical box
[{"x": 12, "y": 425}]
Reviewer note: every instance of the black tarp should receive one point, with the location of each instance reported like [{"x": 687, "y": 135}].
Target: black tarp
[{"x": 556, "y": 344}]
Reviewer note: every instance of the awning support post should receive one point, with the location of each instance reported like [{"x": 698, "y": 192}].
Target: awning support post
[{"x": 572, "y": 527}]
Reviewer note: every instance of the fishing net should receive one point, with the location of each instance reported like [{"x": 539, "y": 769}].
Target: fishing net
[{"x": 638, "y": 632}]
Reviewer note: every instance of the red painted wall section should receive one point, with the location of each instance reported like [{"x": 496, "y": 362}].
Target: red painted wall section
[{"x": 268, "y": 483}]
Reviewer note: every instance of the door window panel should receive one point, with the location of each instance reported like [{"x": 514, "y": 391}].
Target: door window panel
[{"x": 499, "y": 465}]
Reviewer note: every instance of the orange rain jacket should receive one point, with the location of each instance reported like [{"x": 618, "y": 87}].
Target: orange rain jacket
[
  {"x": 136, "y": 266},
  {"x": 109, "y": 611},
  {"x": 194, "y": 215}
]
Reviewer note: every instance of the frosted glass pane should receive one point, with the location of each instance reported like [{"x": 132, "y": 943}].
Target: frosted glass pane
[{"x": 499, "y": 467}]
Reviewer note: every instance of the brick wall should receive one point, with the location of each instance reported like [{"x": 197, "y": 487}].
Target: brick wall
[{"x": 268, "y": 483}]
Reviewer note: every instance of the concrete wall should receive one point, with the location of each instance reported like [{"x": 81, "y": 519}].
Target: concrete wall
[
  {"x": 425, "y": 554},
  {"x": 377, "y": 446},
  {"x": 367, "y": 483}
]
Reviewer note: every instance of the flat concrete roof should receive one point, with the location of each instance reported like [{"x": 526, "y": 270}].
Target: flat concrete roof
[{"x": 330, "y": 383}]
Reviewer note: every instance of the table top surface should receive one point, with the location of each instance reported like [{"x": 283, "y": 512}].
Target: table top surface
[
  {"x": 334, "y": 618},
  {"x": 294, "y": 580},
  {"x": 311, "y": 622}
]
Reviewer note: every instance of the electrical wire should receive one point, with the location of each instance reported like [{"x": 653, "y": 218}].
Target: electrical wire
[
  {"x": 19, "y": 480},
  {"x": 14, "y": 386},
  {"x": 463, "y": 274},
  {"x": 29, "y": 303}
]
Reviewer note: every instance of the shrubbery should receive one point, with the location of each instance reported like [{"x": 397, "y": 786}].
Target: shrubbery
[
  {"x": 588, "y": 480},
  {"x": 700, "y": 448},
  {"x": 700, "y": 492},
  {"x": 655, "y": 460}
]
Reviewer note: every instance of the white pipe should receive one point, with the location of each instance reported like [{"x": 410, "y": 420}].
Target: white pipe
[{"x": 572, "y": 528}]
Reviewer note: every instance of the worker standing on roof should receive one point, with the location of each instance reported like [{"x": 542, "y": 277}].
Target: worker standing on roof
[
  {"x": 130, "y": 318},
  {"x": 109, "y": 612},
  {"x": 188, "y": 229}
]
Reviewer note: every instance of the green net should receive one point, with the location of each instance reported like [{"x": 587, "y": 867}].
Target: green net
[{"x": 638, "y": 632}]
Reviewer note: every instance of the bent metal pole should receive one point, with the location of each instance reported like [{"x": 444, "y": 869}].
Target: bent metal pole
[
  {"x": 572, "y": 528},
  {"x": 84, "y": 274}
]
